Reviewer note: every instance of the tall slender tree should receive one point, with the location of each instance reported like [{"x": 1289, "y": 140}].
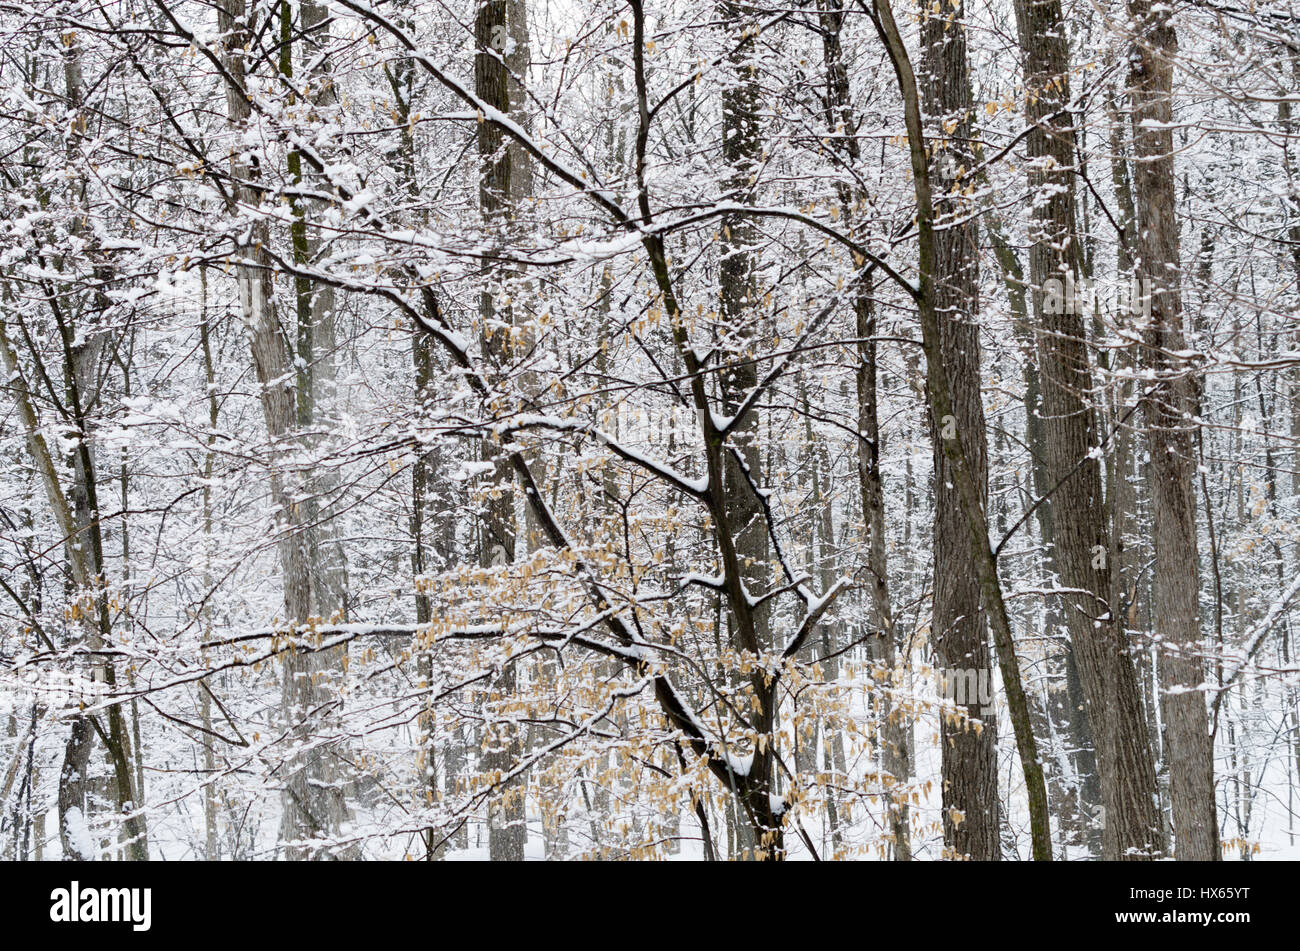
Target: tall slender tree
[
  {"x": 1080, "y": 543},
  {"x": 498, "y": 28},
  {"x": 1170, "y": 410}
]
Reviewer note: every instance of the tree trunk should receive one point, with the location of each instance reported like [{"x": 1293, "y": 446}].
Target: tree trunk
[
  {"x": 501, "y": 163},
  {"x": 313, "y": 800},
  {"x": 742, "y": 148},
  {"x": 1171, "y": 436},
  {"x": 742, "y": 322},
  {"x": 971, "y": 812},
  {"x": 1081, "y": 545},
  {"x": 945, "y": 286},
  {"x": 895, "y": 727}
]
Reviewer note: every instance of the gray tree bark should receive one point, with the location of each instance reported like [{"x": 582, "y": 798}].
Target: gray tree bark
[
  {"x": 1081, "y": 545},
  {"x": 971, "y": 813},
  {"x": 503, "y": 171},
  {"x": 940, "y": 262},
  {"x": 1171, "y": 436},
  {"x": 895, "y": 728},
  {"x": 313, "y": 800}
]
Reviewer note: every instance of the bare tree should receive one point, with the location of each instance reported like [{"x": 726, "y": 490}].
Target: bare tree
[
  {"x": 1170, "y": 411},
  {"x": 1080, "y": 540}
]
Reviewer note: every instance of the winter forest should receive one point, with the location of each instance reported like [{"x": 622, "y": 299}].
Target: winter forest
[{"x": 649, "y": 429}]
